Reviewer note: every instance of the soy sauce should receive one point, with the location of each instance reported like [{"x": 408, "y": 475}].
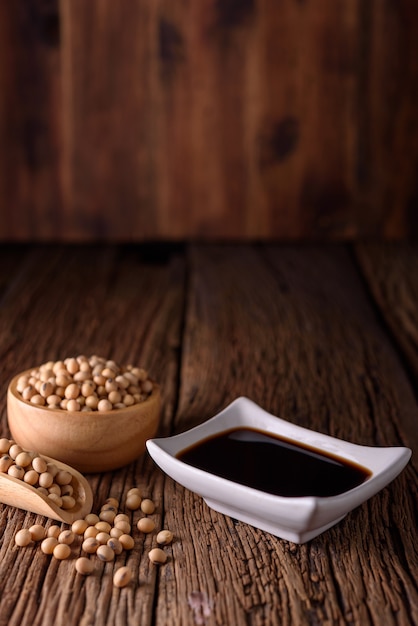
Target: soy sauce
[{"x": 274, "y": 464}]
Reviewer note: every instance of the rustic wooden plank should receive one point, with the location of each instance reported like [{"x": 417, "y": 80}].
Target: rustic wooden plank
[
  {"x": 390, "y": 270},
  {"x": 306, "y": 112},
  {"x": 292, "y": 329},
  {"x": 207, "y": 119},
  {"x": 236, "y": 111},
  {"x": 109, "y": 171},
  {"x": 30, "y": 120},
  {"x": 231, "y": 128},
  {"x": 121, "y": 302},
  {"x": 205, "y": 91},
  {"x": 11, "y": 256},
  {"x": 387, "y": 132}
]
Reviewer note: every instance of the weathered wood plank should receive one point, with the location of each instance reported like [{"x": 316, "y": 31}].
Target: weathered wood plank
[
  {"x": 88, "y": 300},
  {"x": 170, "y": 120},
  {"x": 390, "y": 270},
  {"x": 386, "y": 108},
  {"x": 292, "y": 329},
  {"x": 30, "y": 120},
  {"x": 303, "y": 193},
  {"x": 108, "y": 152}
]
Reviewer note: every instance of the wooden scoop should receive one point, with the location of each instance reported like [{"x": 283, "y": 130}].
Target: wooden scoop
[{"x": 15, "y": 492}]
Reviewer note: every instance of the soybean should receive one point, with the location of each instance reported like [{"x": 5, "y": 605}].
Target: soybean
[
  {"x": 145, "y": 525},
  {"x": 48, "y": 545},
  {"x": 116, "y": 545},
  {"x": 112, "y": 502},
  {"x": 121, "y": 517},
  {"x": 102, "y": 537},
  {"x": 61, "y": 551},
  {"x": 164, "y": 537},
  {"x": 14, "y": 450},
  {"x": 39, "y": 464},
  {"x": 124, "y": 526},
  {"x": 23, "y": 537},
  {"x": 52, "y": 469},
  {"x": 31, "y": 477},
  {"x": 53, "y": 531},
  {"x": 103, "y": 526},
  {"x": 5, "y": 462},
  {"x": 16, "y": 471},
  {"x": 79, "y": 526},
  {"x": 63, "y": 477},
  {"x": 67, "y": 490},
  {"x": 57, "y": 500},
  {"x": 157, "y": 556},
  {"x": 127, "y": 541},
  {"x": 4, "y": 445},
  {"x": 45, "y": 480},
  {"x": 147, "y": 506},
  {"x": 90, "y": 545},
  {"x": 104, "y": 405},
  {"x": 108, "y": 515},
  {"x": 84, "y": 566},
  {"x": 92, "y": 519},
  {"x": 122, "y": 576},
  {"x": 91, "y": 531},
  {"x": 105, "y": 553},
  {"x": 37, "y": 532},
  {"x": 67, "y": 537},
  {"x": 133, "y": 501},
  {"x": 23, "y": 459},
  {"x": 73, "y": 405},
  {"x": 68, "y": 502}
]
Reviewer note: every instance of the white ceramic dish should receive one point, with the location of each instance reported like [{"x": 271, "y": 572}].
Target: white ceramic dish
[{"x": 296, "y": 519}]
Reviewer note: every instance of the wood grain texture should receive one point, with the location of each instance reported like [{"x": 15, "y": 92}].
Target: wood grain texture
[
  {"x": 390, "y": 271},
  {"x": 30, "y": 120},
  {"x": 387, "y": 106},
  {"x": 209, "y": 120},
  {"x": 109, "y": 172},
  {"x": 297, "y": 329},
  {"x": 294, "y": 332}
]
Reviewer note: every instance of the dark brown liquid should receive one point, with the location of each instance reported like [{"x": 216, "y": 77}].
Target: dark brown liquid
[{"x": 272, "y": 464}]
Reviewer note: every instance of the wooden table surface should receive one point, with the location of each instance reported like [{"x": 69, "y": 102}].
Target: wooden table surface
[{"x": 324, "y": 336}]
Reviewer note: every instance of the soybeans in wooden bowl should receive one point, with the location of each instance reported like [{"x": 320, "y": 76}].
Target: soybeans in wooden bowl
[{"x": 88, "y": 412}]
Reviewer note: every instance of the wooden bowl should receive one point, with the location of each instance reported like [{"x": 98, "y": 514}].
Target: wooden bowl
[{"x": 89, "y": 441}]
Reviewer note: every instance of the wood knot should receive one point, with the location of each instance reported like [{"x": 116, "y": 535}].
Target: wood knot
[
  {"x": 279, "y": 141},
  {"x": 233, "y": 13},
  {"x": 170, "y": 46}
]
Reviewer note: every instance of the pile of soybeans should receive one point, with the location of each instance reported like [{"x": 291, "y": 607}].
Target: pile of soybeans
[{"x": 85, "y": 384}]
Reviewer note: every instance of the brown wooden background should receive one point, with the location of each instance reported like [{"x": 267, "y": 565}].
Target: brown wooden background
[{"x": 239, "y": 119}]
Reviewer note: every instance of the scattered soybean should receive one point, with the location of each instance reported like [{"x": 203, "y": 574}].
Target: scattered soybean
[
  {"x": 84, "y": 566},
  {"x": 122, "y": 576},
  {"x": 157, "y": 556}
]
